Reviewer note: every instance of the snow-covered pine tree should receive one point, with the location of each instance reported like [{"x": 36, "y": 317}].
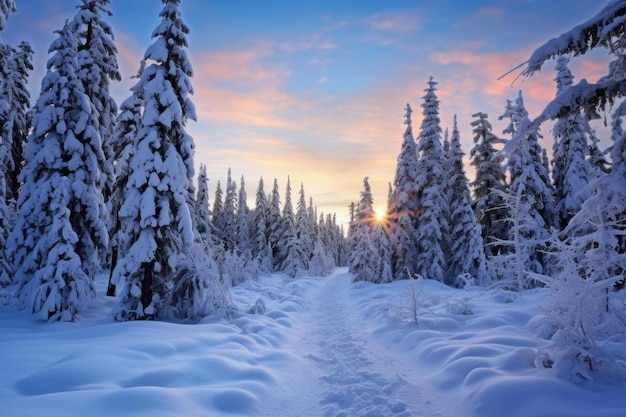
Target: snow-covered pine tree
[
  {"x": 571, "y": 171},
  {"x": 528, "y": 173},
  {"x": 274, "y": 225},
  {"x": 604, "y": 30},
  {"x": 203, "y": 214},
  {"x": 59, "y": 230},
  {"x": 403, "y": 207},
  {"x": 127, "y": 128},
  {"x": 16, "y": 125},
  {"x": 156, "y": 218},
  {"x": 217, "y": 214},
  {"x": 466, "y": 246},
  {"x": 382, "y": 246},
  {"x": 602, "y": 216},
  {"x": 431, "y": 226},
  {"x": 290, "y": 251},
  {"x": 261, "y": 249},
  {"x": 578, "y": 309},
  {"x": 597, "y": 158},
  {"x": 97, "y": 62},
  {"x": 304, "y": 229},
  {"x": 321, "y": 263},
  {"x": 6, "y": 8},
  {"x": 243, "y": 221},
  {"x": 229, "y": 221},
  {"x": 363, "y": 258},
  {"x": 489, "y": 185},
  {"x": 352, "y": 213},
  {"x": 312, "y": 211}
]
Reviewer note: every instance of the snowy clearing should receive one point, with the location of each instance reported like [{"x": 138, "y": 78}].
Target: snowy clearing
[{"x": 314, "y": 347}]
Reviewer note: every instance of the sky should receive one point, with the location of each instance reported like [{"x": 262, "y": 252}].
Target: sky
[{"x": 316, "y": 90}]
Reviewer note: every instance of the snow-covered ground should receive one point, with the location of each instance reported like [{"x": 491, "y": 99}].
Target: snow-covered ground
[{"x": 314, "y": 347}]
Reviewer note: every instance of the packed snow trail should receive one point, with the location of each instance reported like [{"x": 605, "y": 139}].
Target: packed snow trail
[{"x": 340, "y": 370}]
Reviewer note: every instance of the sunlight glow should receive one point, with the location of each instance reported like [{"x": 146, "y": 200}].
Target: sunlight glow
[{"x": 380, "y": 213}]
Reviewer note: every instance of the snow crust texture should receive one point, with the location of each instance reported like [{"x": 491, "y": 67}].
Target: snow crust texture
[{"x": 307, "y": 347}]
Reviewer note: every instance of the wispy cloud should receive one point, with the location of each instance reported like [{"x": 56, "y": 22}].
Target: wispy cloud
[{"x": 400, "y": 22}]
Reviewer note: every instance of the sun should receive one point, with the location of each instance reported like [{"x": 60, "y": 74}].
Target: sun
[{"x": 380, "y": 213}]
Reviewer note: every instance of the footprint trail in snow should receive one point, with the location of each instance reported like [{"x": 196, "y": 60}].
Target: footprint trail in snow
[{"x": 344, "y": 372}]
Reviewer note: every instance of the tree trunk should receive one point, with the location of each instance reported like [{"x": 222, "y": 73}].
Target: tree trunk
[{"x": 146, "y": 287}]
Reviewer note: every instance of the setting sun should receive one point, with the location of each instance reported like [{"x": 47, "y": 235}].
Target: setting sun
[{"x": 380, "y": 213}]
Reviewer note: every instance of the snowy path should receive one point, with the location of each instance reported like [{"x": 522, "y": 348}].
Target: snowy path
[{"x": 340, "y": 370}]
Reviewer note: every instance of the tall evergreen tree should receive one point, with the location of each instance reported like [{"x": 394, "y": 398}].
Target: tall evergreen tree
[
  {"x": 290, "y": 253},
  {"x": 363, "y": 258},
  {"x": 466, "y": 245},
  {"x": 243, "y": 220},
  {"x": 261, "y": 249},
  {"x": 6, "y": 8},
  {"x": 6, "y": 160},
  {"x": 217, "y": 214},
  {"x": 59, "y": 231},
  {"x": 489, "y": 185},
  {"x": 229, "y": 221},
  {"x": 15, "y": 119},
  {"x": 571, "y": 171},
  {"x": 274, "y": 224},
  {"x": 97, "y": 61},
  {"x": 382, "y": 247},
  {"x": 528, "y": 173},
  {"x": 403, "y": 206},
  {"x": 156, "y": 219},
  {"x": 432, "y": 226},
  {"x": 127, "y": 128},
  {"x": 304, "y": 228},
  {"x": 203, "y": 214},
  {"x": 597, "y": 158}
]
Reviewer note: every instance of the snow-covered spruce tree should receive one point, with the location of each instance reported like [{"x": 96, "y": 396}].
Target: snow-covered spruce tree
[
  {"x": 290, "y": 252},
  {"x": 600, "y": 246},
  {"x": 17, "y": 122},
  {"x": 6, "y": 8},
  {"x": 97, "y": 62},
  {"x": 261, "y": 249},
  {"x": 312, "y": 211},
  {"x": 156, "y": 219},
  {"x": 466, "y": 244},
  {"x": 203, "y": 214},
  {"x": 489, "y": 185},
  {"x": 352, "y": 213},
  {"x": 580, "y": 314},
  {"x": 571, "y": 171},
  {"x": 604, "y": 30},
  {"x": 403, "y": 207},
  {"x": 600, "y": 165},
  {"x": 321, "y": 263},
  {"x": 431, "y": 226},
  {"x": 363, "y": 258},
  {"x": 274, "y": 225},
  {"x": 528, "y": 173},
  {"x": 59, "y": 230},
  {"x": 217, "y": 214},
  {"x": 382, "y": 246},
  {"x": 229, "y": 222},
  {"x": 123, "y": 144},
  {"x": 242, "y": 221},
  {"x": 304, "y": 229}
]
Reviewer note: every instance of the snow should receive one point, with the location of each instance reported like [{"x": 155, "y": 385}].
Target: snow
[{"x": 317, "y": 347}]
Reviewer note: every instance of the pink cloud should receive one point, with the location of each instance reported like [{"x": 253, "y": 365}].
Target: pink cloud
[{"x": 401, "y": 22}]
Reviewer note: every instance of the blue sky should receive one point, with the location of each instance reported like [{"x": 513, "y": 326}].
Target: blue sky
[{"x": 316, "y": 89}]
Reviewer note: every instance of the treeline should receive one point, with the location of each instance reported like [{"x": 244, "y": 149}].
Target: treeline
[
  {"x": 86, "y": 187},
  {"x": 441, "y": 226}
]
